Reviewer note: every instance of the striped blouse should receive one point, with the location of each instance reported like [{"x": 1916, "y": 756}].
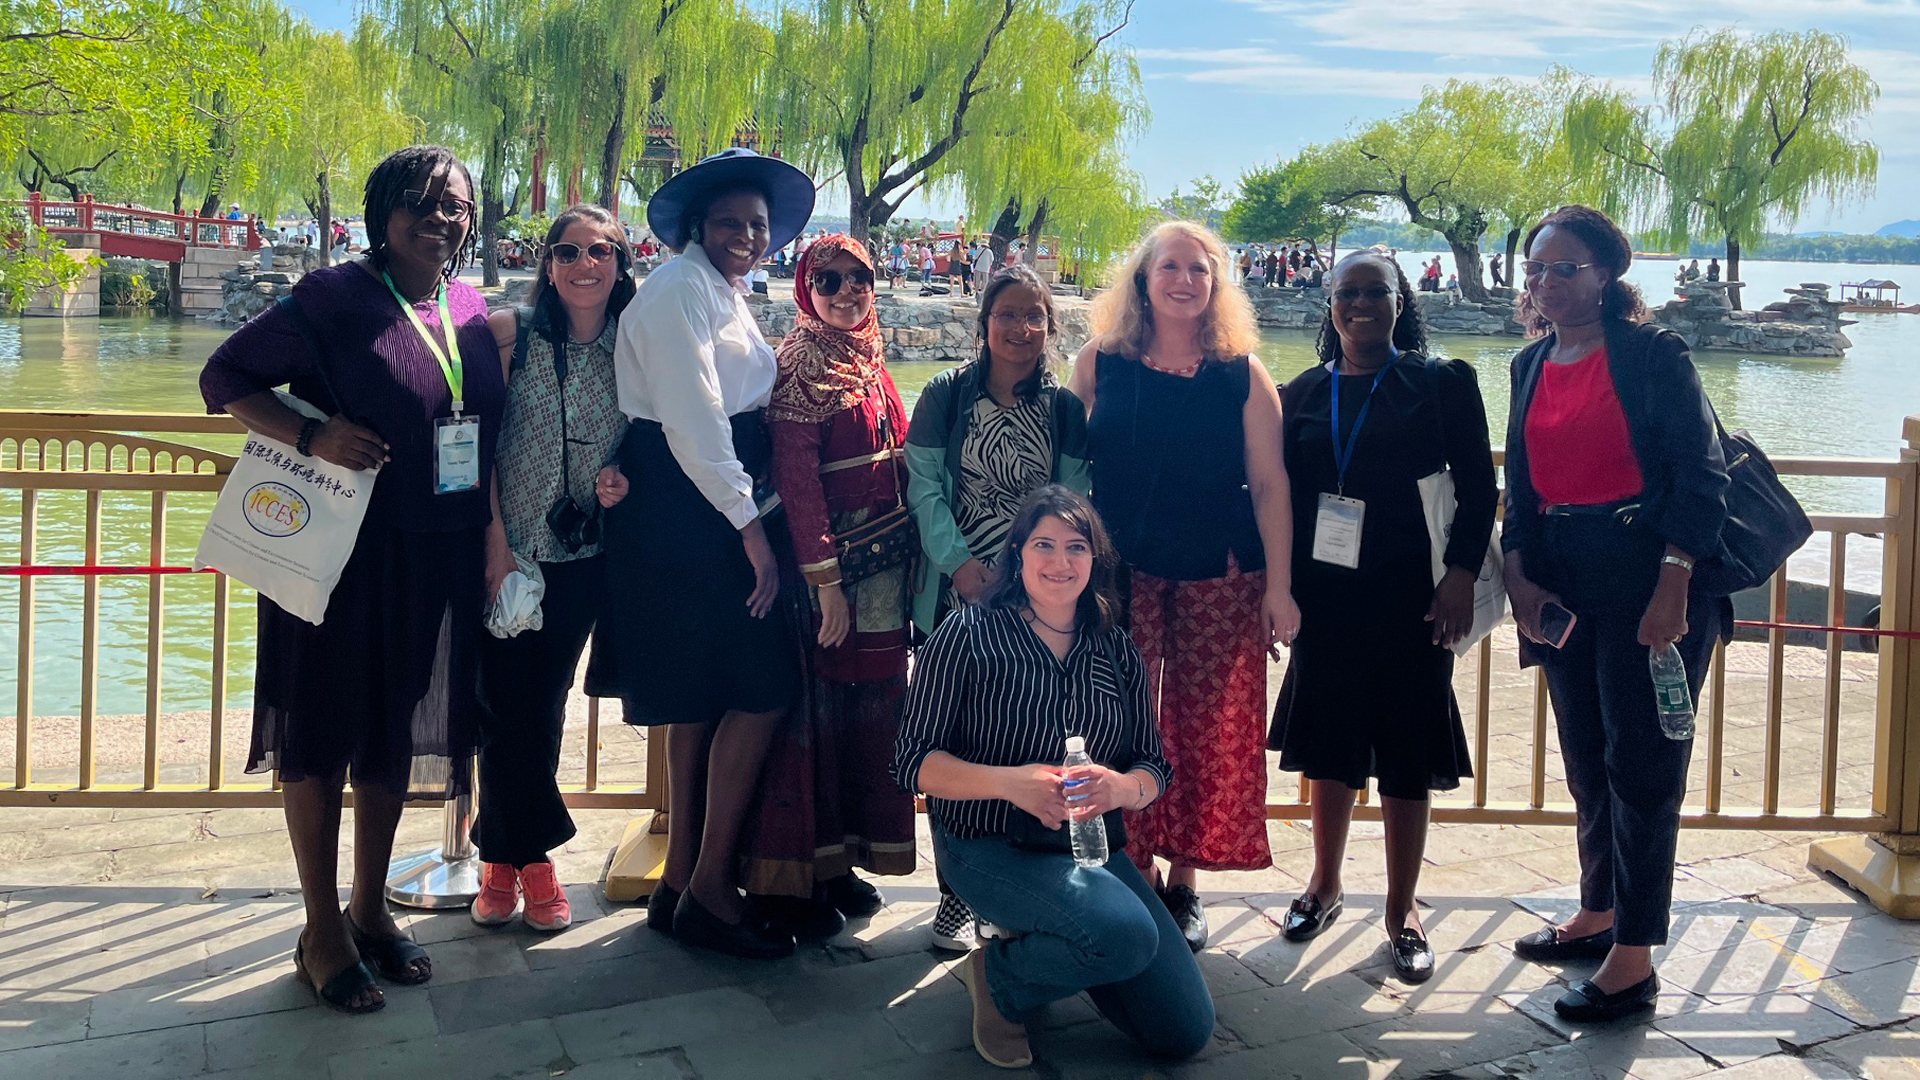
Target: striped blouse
[{"x": 987, "y": 690}]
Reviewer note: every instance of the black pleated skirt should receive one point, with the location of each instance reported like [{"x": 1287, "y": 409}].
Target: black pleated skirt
[
  {"x": 386, "y": 687},
  {"x": 675, "y": 641}
]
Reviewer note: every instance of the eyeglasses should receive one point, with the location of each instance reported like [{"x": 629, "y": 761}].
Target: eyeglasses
[
  {"x": 1353, "y": 293},
  {"x": 1033, "y": 320},
  {"x": 568, "y": 254},
  {"x": 423, "y": 203},
  {"x": 829, "y": 282},
  {"x": 1533, "y": 268}
]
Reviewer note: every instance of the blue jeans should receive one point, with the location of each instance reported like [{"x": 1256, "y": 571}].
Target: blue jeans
[{"x": 1102, "y": 931}]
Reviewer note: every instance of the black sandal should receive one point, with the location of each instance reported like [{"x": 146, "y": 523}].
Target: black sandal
[
  {"x": 392, "y": 957},
  {"x": 340, "y": 990}
]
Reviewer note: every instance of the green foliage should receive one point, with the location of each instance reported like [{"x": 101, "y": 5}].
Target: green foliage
[
  {"x": 1284, "y": 202},
  {"x": 31, "y": 260},
  {"x": 127, "y": 288},
  {"x": 1207, "y": 203}
]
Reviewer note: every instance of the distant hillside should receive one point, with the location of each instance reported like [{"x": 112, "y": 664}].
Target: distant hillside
[{"x": 1908, "y": 228}]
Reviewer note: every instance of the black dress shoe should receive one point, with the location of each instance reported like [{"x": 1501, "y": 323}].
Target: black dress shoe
[
  {"x": 856, "y": 899},
  {"x": 1588, "y": 1004},
  {"x": 1412, "y": 956},
  {"x": 1546, "y": 946},
  {"x": 1184, "y": 903},
  {"x": 749, "y": 939},
  {"x": 660, "y": 905},
  {"x": 807, "y": 918},
  {"x": 1307, "y": 917}
]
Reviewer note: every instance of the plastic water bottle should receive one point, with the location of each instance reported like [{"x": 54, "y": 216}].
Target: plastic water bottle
[
  {"x": 1670, "y": 695},
  {"x": 1089, "y": 836}
]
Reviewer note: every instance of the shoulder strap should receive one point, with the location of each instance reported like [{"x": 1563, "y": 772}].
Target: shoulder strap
[
  {"x": 523, "y": 319},
  {"x": 298, "y": 316}
]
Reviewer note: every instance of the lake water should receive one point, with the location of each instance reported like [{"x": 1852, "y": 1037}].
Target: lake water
[{"x": 1848, "y": 407}]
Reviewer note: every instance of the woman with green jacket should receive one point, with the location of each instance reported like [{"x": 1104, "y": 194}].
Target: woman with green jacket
[{"x": 985, "y": 435}]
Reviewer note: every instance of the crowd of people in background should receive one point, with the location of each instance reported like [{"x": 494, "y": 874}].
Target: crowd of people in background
[{"x": 821, "y": 605}]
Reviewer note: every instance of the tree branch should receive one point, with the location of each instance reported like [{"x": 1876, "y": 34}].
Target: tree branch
[
  {"x": 1125, "y": 17},
  {"x": 969, "y": 89}
]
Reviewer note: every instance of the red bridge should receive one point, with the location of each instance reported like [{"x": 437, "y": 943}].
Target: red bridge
[{"x": 136, "y": 232}]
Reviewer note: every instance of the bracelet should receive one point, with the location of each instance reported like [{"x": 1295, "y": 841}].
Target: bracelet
[
  {"x": 827, "y": 584},
  {"x": 1143, "y": 793},
  {"x": 304, "y": 441},
  {"x": 1675, "y": 560}
]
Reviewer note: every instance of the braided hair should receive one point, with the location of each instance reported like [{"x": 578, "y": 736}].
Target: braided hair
[
  {"x": 396, "y": 173},
  {"x": 1409, "y": 330}
]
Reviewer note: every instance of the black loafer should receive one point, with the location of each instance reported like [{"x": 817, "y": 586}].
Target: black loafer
[
  {"x": 855, "y": 898},
  {"x": 1546, "y": 946},
  {"x": 1588, "y": 1004},
  {"x": 1184, "y": 903},
  {"x": 1307, "y": 917},
  {"x": 1412, "y": 956},
  {"x": 748, "y": 939},
  {"x": 806, "y": 918},
  {"x": 660, "y": 905}
]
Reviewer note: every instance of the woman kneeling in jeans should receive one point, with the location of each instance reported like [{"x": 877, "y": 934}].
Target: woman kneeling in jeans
[{"x": 994, "y": 695}]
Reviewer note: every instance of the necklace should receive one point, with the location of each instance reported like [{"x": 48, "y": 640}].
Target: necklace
[
  {"x": 1069, "y": 631},
  {"x": 1182, "y": 371}
]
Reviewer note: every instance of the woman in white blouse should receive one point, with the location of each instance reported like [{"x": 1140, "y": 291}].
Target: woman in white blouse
[{"x": 688, "y": 635}]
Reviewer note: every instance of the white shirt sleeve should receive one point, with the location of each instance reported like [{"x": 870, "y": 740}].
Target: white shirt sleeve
[{"x": 665, "y": 350}]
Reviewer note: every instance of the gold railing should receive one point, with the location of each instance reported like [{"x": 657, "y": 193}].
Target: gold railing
[{"x": 47, "y": 452}]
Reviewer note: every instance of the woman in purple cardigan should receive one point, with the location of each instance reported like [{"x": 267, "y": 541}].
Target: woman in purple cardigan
[{"x": 385, "y": 687}]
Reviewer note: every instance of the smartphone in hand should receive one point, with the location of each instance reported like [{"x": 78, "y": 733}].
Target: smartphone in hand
[{"x": 1556, "y": 623}]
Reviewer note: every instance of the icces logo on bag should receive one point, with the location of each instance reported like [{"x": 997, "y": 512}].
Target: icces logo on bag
[{"x": 276, "y": 510}]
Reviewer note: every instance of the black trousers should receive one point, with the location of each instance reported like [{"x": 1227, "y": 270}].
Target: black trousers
[
  {"x": 524, "y": 681},
  {"x": 1626, "y": 777}
]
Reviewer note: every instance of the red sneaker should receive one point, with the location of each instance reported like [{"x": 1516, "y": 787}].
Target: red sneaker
[
  {"x": 547, "y": 907},
  {"x": 499, "y": 894}
]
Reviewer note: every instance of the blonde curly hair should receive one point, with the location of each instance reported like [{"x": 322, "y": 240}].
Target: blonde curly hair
[{"x": 1123, "y": 316}]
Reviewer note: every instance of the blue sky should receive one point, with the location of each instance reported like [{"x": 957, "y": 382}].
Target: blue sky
[{"x": 1234, "y": 84}]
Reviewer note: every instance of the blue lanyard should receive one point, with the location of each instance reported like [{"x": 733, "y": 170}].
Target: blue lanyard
[{"x": 1343, "y": 457}]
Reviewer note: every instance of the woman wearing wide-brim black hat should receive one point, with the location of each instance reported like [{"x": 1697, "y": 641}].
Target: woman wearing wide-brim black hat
[{"x": 689, "y": 635}]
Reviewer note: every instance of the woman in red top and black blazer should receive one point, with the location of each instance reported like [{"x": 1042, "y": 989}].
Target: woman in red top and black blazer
[{"x": 1615, "y": 488}]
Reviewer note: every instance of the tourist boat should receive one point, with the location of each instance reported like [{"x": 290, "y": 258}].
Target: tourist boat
[{"x": 1854, "y": 297}]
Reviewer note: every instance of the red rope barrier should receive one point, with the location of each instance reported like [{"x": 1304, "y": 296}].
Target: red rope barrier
[{"x": 97, "y": 571}]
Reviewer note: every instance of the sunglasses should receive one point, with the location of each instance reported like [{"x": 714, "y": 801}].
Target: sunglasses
[
  {"x": 567, "y": 254},
  {"x": 1533, "y": 268},
  {"x": 828, "y": 282},
  {"x": 1351, "y": 293},
  {"x": 423, "y": 203}
]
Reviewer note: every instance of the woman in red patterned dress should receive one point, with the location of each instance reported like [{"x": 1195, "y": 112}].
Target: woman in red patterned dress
[
  {"x": 828, "y": 802},
  {"x": 1184, "y": 431}
]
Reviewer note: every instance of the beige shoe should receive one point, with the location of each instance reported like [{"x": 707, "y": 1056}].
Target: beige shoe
[{"x": 1000, "y": 1041}]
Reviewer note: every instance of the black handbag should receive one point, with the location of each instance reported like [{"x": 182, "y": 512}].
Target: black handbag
[
  {"x": 1765, "y": 523},
  {"x": 885, "y": 542},
  {"x": 1025, "y": 832}
]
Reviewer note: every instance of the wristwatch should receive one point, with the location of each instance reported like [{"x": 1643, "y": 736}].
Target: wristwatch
[{"x": 1683, "y": 563}]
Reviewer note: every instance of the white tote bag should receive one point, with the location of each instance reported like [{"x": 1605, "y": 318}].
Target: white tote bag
[
  {"x": 1489, "y": 588},
  {"x": 286, "y": 522}
]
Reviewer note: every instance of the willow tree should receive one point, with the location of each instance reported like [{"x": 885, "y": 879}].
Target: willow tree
[
  {"x": 882, "y": 93},
  {"x": 471, "y": 73},
  {"x": 1287, "y": 200},
  {"x": 1449, "y": 163},
  {"x": 1051, "y": 157},
  {"x": 346, "y": 116},
  {"x": 1748, "y": 132}
]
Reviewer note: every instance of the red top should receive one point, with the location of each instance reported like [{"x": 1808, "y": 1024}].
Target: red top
[{"x": 1578, "y": 447}]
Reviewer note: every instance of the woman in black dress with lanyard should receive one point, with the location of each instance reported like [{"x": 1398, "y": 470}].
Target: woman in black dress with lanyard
[{"x": 1369, "y": 685}]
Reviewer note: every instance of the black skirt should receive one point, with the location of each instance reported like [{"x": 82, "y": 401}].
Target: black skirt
[
  {"x": 1371, "y": 701},
  {"x": 675, "y": 641},
  {"x": 387, "y": 685}
]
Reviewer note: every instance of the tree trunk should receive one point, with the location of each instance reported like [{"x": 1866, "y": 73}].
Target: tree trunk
[
  {"x": 1733, "y": 272},
  {"x": 220, "y": 151},
  {"x": 1032, "y": 255},
  {"x": 615, "y": 147},
  {"x": 1466, "y": 254},
  {"x": 1333, "y": 247},
  {"x": 859, "y": 205},
  {"x": 1005, "y": 228},
  {"x": 325, "y": 217},
  {"x": 1513, "y": 250},
  {"x": 490, "y": 209}
]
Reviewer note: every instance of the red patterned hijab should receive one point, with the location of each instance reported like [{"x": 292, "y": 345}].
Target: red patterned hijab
[{"x": 824, "y": 369}]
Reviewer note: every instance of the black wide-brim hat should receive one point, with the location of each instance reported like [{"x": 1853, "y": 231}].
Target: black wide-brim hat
[{"x": 789, "y": 195}]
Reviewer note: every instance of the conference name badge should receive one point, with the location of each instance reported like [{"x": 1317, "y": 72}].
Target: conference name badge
[
  {"x": 456, "y": 458},
  {"x": 1336, "y": 530}
]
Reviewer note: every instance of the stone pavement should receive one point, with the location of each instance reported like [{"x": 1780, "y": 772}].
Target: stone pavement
[{"x": 154, "y": 945}]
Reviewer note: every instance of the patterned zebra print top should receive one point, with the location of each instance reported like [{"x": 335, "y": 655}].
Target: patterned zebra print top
[{"x": 1007, "y": 453}]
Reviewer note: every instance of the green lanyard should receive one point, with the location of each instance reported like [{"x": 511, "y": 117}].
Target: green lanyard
[{"x": 450, "y": 367}]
